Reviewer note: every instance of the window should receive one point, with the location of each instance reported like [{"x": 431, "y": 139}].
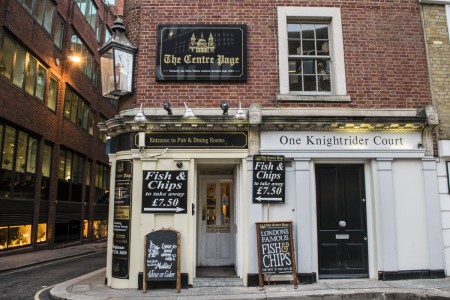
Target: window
[
  {"x": 78, "y": 111},
  {"x": 88, "y": 64},
  {"x": 46, "y": 167},
  {"x": 22, "y": 68},
  {"x": 18, "y": 163},
  {"x": 58, "y": 34},
  {"x": 311, "y": 54},
  {"x": 89, "y": 11},
  {"x": 101, "y": 135},
  {"x": 101, "y": 183},
  {"x": 41, "y": 10},
  {"x": 108, "y": 34},
  {"x": 99, "y": 30},
  {"x": 70, "y": 176},
  {"x": 52, "y": 98}
]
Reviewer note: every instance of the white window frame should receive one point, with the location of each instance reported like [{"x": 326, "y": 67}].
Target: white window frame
[
  {"x": 447, "y": 14},
  {"x": 338, "y": 84}
]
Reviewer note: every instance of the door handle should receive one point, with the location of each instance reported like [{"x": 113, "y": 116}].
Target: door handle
[{"x": 342, "y": 224}]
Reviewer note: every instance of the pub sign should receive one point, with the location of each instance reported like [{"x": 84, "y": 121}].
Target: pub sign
[{"x": 202, "y": 52}]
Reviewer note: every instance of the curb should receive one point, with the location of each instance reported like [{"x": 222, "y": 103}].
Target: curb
[{"x": 59, "y": 291}]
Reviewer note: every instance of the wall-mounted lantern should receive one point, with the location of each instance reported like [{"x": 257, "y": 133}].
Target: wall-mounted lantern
[{"x": 117, "y": 57}]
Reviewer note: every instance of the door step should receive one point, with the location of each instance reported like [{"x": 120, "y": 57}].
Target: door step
[{"x": 214, "y": 281}]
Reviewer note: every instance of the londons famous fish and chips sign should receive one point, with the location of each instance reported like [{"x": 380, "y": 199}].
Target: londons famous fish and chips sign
[{"x": 201, "y": 52}]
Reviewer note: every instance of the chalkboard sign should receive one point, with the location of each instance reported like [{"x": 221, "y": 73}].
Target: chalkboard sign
[
  {"x": 276, "y": 253},
  {"x": 164, "y": 192},
  {"x": 268, "y": 179},
  {"x": 162, "y": 257}
]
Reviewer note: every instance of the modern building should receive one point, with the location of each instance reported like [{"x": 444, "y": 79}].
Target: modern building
[
  {"x": 54, "y": 171},
  {"x": 436, "y": 20},
  {"x": 317, "y": 114}
]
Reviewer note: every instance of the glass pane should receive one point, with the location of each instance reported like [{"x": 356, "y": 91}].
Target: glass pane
[
  {"x": 81, "y": 106},
  {"x": 59, "y": 31},
  {"x": 294, "y": 47},
  {"x": 307, "y": 31},
  {"x": 309, "y": 66},
  {"x": 107, "y": 72},
  {"x": 323, "y": 66},
  {"x": 80, "y": 170},
  {"x": 9, "y": 148},
  {"x": 6, "y": 63},
  {"x": 75, "y": 168},
  {"x": 28, "y": 4},
  {"x": 19, "y": 66},
  {"x": 225, "y": 204},
  {"x": 52, "y": 94},
  {"x": 323, "y": 48},
  {"x": 62, "y": 164},
  {"x": 39, "y": 10},
  {"x": 19, "y": 236},
  {"x": 210, "y": 205},
  {"x": 46, "y": 160},
  {"x": 48, "y": 16},
  {"x": 73, "y": 109},
  {"x": 294, "y": 31},
  {"x": 21, "y": 152},
  {"x": 30, "y": 82},
  {"x": 324, "y": 83},
  {"x": 42, "y": 233},
  {"x": 124, "y": 66},
  {"x": 3, "y": 237},
  {"x": 309, "y": 48},
  {"x": 295, "y": 83},
  {"x": 68, "y": 103},
  {"x": 91, "y": 122},
  {"x": 295, "y": 66},
  {"x": 88, "y": 173},
  {"x": 322, "y": 31},
  {"x": 40, "y": 83},
  {"x": 310, "y": 83},
  {"x": 68, "y": 173},
  {"x": 32, "y": 155},
  {"x": 99, "y": 29}
]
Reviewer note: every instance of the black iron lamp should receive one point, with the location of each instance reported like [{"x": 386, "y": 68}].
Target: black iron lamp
[
  {"x": 168, "y": 108},
  {"x": 117, "y": 57},
  {"x": 225, "y": 106}
]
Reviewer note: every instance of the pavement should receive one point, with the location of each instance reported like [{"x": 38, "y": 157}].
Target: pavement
[{"x": 91, "y": 286}]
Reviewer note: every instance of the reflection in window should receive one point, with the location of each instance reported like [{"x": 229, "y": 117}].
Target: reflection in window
[
  {"x": 46, "y": 167},
  {"x": 78, "y": 111},
  {"x": 42, "y": 233},
  {"x": 58, "y": 32},
  {"x": 9, "y": 148},
  {"x": 19, "y": 236},
  {"x": 70, "y": 175},
  {"x": 100, "y": 228},
  {"x": 42, "y": 11},
  {"x": 52, "y": 94}
]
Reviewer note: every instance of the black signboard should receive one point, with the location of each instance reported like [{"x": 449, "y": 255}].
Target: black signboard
[
  {"x": 162, "y": 256},
  {"x": 196, "y": 140},
  {"x": 201, "y": 52},
  {"x": 276, "y": 253},
  {"x": 164, "y": 192},
  {"x": 268, "y": 179},
  {"x": 121, "y": 223}
]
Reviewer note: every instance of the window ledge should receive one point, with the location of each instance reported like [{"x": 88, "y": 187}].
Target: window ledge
[{"x": 313, "y": 98}]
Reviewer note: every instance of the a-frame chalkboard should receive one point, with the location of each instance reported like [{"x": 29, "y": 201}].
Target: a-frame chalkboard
[
  {"x": 162, "y": 257},
  {"x": 276, "y": 253}
]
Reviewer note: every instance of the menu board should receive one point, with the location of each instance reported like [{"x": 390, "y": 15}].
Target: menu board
[
  {"x": 162, "y": 256},
  {"x": 164, "y": 192},
  {"x": 121, "y": 223},
  {"x": 268, "y": 179},
  {"x": 276, "y": 253}
]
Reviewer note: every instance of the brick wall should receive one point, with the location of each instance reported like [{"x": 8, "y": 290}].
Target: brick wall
[
  {"x": 385, "y": 55},
  {"x": 439, "y": 59}
]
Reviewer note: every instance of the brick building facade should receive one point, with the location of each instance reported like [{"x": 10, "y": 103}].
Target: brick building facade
[
  {"x": 336, "y": 93},
  {"x": 436, "y": 27},
  {"x": 54, "y": 170}
]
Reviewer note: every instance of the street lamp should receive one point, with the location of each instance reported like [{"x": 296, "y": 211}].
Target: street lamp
[{"x": 117, "y": 62}]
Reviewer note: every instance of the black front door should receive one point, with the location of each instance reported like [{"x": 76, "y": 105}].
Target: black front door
[{"x": 341, "y": 221}]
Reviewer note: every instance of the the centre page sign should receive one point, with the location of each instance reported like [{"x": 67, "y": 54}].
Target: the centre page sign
[{"x": 164, "y": 192}]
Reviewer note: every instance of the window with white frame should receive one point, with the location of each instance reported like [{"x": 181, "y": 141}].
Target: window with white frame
[{"x": 311, "y": 55}]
